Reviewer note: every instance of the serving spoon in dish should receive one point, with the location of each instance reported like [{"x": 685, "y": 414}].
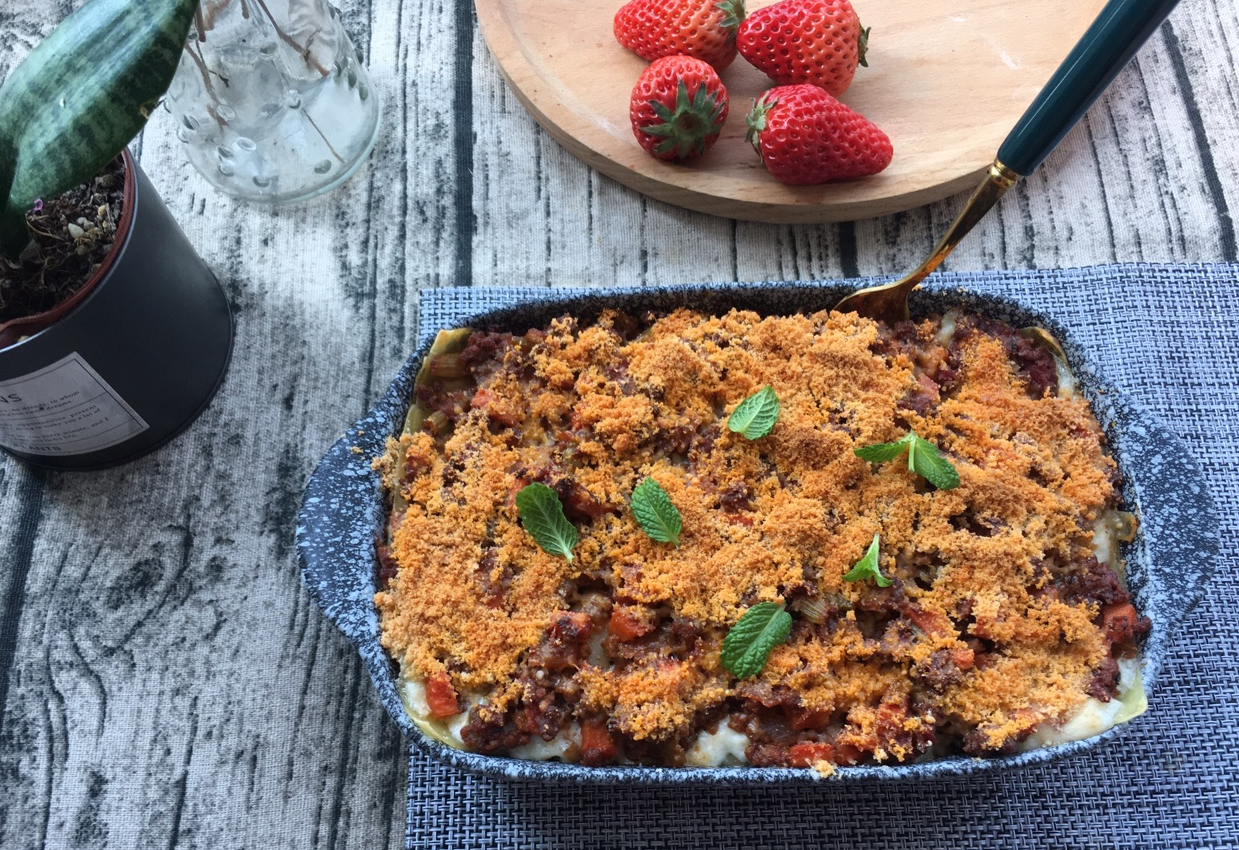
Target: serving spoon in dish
[{"x": 1104, "y": 49}]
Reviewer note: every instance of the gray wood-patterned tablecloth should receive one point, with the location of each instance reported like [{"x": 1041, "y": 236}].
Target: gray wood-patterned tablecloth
[{"x": 165, "y": 681}]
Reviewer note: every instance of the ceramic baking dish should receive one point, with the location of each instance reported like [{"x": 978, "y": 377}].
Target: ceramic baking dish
[{"x": 344, "y": 510}]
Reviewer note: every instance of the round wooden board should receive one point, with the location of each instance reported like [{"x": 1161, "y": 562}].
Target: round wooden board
[{"x": 947, "y": 81}]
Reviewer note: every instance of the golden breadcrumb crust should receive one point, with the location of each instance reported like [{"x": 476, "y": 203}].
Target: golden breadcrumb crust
[{"x": 1033, "y": 470}]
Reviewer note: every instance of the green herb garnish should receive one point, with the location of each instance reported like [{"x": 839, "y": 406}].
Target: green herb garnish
[
  {"x": 754, "y": 417},
  {"x": 654, "y": 512},
  {"x": 747, "y": 646},
  {"x": 923, "y": 458},
  {"x": 867, "y": 567},
  {"x": 543, "y": 516}
]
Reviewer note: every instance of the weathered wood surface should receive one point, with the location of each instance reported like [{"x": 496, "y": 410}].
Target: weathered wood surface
[{"x": 164, "y": 679}]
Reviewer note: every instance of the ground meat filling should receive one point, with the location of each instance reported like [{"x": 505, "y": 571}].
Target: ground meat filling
[{"x": 999, "y": 618}]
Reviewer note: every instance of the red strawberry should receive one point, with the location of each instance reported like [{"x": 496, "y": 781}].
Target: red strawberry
[
  {"x": 804, "y": 136},
  {"x": 705, "y": 29},
  {"x": 805, "y": 41},
  {"x": 678, "y": 107}
]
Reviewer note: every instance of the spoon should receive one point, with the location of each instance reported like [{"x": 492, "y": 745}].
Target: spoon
[{"x": 1104, "y": 49}]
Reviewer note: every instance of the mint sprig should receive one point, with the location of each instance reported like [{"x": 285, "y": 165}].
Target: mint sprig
[
  {"x": 867, "y": 567},
  {"x": 754, "y": 417},
  {"x": 747, "y": 646},
  {"x": 655, "y": 513},
  {"x": 543, "y": 517},
  {"x": 923, "y": 458}
]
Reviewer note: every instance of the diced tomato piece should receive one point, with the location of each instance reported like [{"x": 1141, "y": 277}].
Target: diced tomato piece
[
  {"x": 929, "y": 622},
  {"x": 626, "y": 625},
  {"x": 1119, "y": 621},
  {"x": 848, "y": 754},
  {"x": 571, "y": 629},
  {"x": 963, "y": 657},
  {"x": 441, "y": 696},
  {"x": 809, "y": 753},
  {"x": 582, "y": 503},
  {"x": 804, "y": 718},
  {"x": 387, "y": 564},
  {"x": 597, "y": 745},
  {"x": 891, "y": 717},
  {"x": 484, "y": 399}
]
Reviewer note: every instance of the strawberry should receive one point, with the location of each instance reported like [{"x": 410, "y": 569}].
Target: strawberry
[
  {"x": 805, "y": 41},
  {"x": 804, "y": 136},
  {"x": 705, "y": 29},
  {"x": 678, "y": 107}
]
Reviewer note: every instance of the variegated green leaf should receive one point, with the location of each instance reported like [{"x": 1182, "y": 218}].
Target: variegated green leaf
[{"x": 80, "y": 96}]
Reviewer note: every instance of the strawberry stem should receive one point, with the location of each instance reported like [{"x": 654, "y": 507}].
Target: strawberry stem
[
  {"x": 684, "y": 130},
  {"x": 756, "y": 121},
  {"x": 862, "y": 45},
  {"x": 733, "y": 15}
]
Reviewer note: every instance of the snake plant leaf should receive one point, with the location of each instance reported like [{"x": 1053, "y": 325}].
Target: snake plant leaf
[
  {"x": 80, "y": 96},
  {"x": 8, "y": 169}
]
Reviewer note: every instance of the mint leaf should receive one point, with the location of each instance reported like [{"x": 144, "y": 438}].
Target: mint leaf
[
  {"x": 655, "y": 513},
  {"x": 754, "y": 417},
  {"x": 923, "y": 458},
  {"x": 926, "y": 461},
  {"x": 747, "y": 646},
  {"x": 867, "y": 567},
  {"x": 882, "y": 452},
  {"x": 543, "y": 517}
]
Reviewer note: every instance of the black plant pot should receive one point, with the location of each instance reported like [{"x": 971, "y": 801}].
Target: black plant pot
[{"x": 133, "y": 362}]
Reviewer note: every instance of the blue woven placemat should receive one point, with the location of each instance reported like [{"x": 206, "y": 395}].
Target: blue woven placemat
[{"x": 1166, "y": 335}]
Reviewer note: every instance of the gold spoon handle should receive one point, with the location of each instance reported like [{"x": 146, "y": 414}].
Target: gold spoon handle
[
  {"x": 998, "y": 179},
  {"x": 889, "y": 302}
]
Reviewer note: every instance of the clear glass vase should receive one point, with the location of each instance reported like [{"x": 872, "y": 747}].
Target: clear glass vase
[{"x": 271, "y": 100}]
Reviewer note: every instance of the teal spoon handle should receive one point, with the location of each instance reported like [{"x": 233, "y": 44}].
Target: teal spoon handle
[{"x": 1103, "y": 51}]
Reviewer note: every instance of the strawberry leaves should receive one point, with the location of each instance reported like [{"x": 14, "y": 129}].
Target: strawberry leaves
[
  {"x": 677, "y": 108},
  {"x": 685, "y": 129}
]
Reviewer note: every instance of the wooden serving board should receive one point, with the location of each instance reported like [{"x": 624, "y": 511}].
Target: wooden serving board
[{"x": 947, "y": 79}]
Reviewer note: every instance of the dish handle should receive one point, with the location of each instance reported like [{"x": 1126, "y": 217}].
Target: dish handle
[
  {"x": 340, "y": 519},
  {"x": 1177, "y": 515}
]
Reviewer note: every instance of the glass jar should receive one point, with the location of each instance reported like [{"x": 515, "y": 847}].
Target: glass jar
[{"x": 271, "y": 100}]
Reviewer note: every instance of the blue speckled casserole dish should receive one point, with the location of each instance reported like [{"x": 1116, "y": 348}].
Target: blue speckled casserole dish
[{"x": 344, "y": 511}]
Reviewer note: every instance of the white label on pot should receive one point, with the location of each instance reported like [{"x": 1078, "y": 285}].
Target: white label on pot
[{"x": 64, "y": 409}]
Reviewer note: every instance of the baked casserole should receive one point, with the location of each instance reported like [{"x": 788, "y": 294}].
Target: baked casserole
[{"x": 928, "y": 617}]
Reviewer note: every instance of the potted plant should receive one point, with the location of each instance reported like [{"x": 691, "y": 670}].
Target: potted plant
[{"x": 133, "y": 333}]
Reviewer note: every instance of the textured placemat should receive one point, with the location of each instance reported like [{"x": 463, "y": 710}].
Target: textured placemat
[{"x": 1166, "y": 335}]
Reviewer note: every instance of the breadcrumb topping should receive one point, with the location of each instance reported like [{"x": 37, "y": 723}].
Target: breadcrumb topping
[{"x": 973, "y": 637}]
